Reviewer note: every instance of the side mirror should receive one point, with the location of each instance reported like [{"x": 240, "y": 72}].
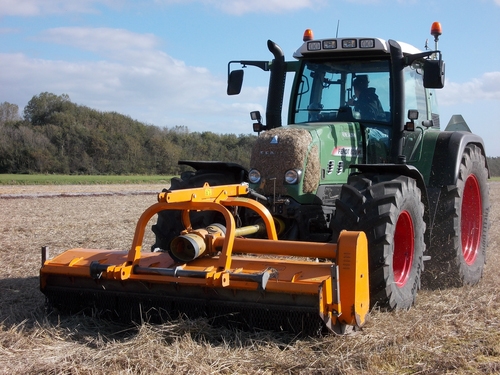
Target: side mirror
[
  {"x": 434, "y": 74},
  {"x": 234, "y": 82}
]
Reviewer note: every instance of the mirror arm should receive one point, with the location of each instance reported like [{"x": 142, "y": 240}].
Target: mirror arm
[
  {"x": 408, "y": 60},
  {"x": 264, "y": 65}
]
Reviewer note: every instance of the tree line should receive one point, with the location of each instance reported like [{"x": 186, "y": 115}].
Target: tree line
[{"x": 55, "y": 135}]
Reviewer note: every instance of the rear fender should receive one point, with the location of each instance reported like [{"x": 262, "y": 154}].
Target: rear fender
[{"x": 399, "y": 169}]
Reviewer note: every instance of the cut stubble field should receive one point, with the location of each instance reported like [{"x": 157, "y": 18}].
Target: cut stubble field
[{"x": 448, "y": 331}]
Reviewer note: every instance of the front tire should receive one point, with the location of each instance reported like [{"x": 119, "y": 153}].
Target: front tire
[
  {"x": 389, "y": 210},
  {"x": 458, "y": 252}
]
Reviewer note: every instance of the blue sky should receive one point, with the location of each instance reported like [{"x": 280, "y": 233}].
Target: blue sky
[{"x": 164, "y": 62}]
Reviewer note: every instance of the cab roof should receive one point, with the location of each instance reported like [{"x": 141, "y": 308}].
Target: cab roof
[{"x": 355, "y": 45}]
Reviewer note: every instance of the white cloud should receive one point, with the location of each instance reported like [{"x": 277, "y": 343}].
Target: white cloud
[
  {"x": 239, "y": 7},
  {"x": 478, "y": 101},
  {"x": 363, "y": 1},
  {"x": 486, "y": 87},
  {"x": 134, "y": 78},
  {"x": 105, "y": 41},
  {"x": 29, "y": 8}
]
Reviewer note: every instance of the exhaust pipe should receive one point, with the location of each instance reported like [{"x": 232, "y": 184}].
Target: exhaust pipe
[{"x": 276, "y": 86}]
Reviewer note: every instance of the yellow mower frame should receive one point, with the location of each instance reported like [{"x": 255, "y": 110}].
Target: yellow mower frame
[{"x": 212, "y": 262}]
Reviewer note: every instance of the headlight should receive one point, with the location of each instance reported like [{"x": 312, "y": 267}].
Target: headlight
[
  {"x": 292, "y": 176},
  {"x": 349, "y": 43},
  {"x": 367, "y": 43},
  {"x": 314, "y": 46},
  {"x": 330, "y": 44},
  {"x": 254, "y": 176}
]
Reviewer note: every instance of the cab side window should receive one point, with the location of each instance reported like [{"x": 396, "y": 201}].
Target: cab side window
[
  {"x": 433, "y": 108},
  {"x": 415, "y": 94}
]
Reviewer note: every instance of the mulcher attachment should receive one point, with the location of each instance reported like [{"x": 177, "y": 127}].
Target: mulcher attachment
[{"x": 279, "y": 285}]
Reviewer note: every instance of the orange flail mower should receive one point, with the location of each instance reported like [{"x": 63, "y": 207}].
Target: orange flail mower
[{"x": 220, "y": 272}]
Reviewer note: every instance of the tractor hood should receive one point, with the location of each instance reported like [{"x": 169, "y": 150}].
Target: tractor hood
[{"x": 317, "y": 153}]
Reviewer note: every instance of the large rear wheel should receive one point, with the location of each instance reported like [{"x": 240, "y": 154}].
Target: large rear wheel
[
  {"x": 389, "y": 210},
  {"x": 458, "y": 252}
]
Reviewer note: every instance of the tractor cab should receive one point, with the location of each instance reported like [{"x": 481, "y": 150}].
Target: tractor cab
[{"x": 386, "y": 87}]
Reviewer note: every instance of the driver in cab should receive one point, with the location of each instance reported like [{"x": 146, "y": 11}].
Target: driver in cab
[{"x": 366, "y": 101}]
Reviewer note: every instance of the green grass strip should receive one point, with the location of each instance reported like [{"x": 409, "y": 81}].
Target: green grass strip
[
  {"x": 54, "y": 179},
  {"x": 51, "y": 179}
]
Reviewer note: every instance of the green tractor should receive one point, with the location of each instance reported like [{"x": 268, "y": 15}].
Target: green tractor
[{"x": 362, "y": 151}]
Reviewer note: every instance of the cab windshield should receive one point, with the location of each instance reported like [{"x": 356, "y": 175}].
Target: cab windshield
[{"x": 343, "y": 91}]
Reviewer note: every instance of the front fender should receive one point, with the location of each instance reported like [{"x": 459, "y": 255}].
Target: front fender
[
  {"x": 448, "y": 153},
  {"x": 409, "y": 171}
]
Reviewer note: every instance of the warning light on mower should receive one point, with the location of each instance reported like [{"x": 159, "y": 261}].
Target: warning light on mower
[{"x": 308, "y": 35}]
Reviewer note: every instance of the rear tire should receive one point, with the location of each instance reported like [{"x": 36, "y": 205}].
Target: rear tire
[
  {"x": 458, "y": 252},
  {"x": 389, "y": 210}
]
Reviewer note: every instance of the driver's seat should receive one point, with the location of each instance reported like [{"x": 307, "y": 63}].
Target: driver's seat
[{"x": 345, "y": 114}]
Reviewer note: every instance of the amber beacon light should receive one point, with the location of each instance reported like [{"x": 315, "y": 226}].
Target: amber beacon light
[
  {"x": 436, "y": 30},
  {"x": 308, "y": 35}
]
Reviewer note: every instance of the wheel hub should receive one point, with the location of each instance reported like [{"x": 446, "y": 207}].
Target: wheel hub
[
  {"x": 404, "y": 248},
  {"x": 471, "y": 219}
]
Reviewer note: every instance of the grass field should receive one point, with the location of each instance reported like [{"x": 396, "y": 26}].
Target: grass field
[
  {"x": 448, "y": 331},
  {"x": 50, "y": 179}
]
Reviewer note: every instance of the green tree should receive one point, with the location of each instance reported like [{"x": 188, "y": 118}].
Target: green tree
[
  {"x": 57, "y": 136},
  {"x": 41, "y": 107},
  {"x": 9, "y": 112},
  {"x": 494, "y": 166}
]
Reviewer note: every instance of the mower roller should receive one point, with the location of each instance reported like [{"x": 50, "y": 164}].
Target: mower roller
[{"x": 219, "y": 272}]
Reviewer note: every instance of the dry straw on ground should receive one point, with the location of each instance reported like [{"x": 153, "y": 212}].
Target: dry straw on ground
[{"x": 451, "y": 331}]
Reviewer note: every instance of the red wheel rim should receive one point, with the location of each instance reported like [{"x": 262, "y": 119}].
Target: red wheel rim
[
  {"x": 471, "y": 219},
  {"x": 404, "y": 248}
]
